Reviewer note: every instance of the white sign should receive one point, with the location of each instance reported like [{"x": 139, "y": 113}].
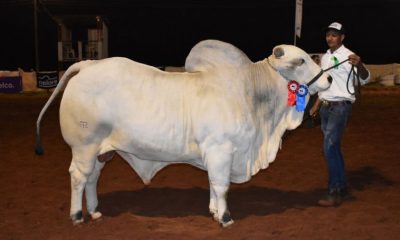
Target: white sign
[{"x": 299, "y": 13}]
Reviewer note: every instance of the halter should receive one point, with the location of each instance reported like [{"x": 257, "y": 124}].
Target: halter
[{"x": 313, "y": 80}]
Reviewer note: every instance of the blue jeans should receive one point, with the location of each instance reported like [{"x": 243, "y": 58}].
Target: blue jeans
[{"x": 333, "y": 122}]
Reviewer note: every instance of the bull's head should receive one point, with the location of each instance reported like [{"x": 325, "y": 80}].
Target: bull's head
[{"x": 295, "y": 64}]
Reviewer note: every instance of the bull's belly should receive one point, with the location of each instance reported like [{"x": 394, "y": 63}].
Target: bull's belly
[
  {"x": 147, "y": 165},
  {"x": 161, "y": 155},
  {"x": 154, "y": 139}
]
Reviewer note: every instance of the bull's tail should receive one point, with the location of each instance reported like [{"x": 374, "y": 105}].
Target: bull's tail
[{"x": 71, "y": 71}]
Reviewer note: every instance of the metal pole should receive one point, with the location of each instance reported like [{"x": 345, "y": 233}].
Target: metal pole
[
  {"x": 295, "y": 14},
  {"x": 35, "y": 22}
]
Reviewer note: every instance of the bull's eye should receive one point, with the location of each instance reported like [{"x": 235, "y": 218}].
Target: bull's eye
[{"x": 297, "y": 62}]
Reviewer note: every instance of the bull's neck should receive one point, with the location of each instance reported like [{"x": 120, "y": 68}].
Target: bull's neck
[
  {"x": 270, "y": 94},
  {"x": 269, "y": 87},
  {"x": 260, "y": 80}
]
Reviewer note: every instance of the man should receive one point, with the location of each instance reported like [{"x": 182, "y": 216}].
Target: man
[{"x": 335, "y": 110}]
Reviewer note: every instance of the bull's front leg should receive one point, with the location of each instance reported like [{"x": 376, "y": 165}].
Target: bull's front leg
[
  {"x": 218, "y": 160},
  {"x": 213, "y": 204}
]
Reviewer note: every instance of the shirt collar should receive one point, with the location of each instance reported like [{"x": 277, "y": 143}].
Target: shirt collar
[{"x": 338, "y": 51}]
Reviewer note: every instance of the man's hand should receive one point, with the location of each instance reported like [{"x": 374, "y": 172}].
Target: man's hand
[
  {"x": 314, "y": 109},
  {"x": 355, "y": 60}
]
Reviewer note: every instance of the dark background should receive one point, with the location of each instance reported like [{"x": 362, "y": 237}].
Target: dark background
[{"x": 161, "y": 33}]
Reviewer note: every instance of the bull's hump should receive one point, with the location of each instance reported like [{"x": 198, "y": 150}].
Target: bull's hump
[{"x": 213, "y": 53}]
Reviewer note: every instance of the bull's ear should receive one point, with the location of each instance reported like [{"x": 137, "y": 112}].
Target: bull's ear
[
  {"x": 298, "y": 62},
  {"x": 278, "y": 52}
]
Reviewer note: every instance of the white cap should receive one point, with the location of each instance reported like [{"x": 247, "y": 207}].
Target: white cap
[{"x": 336, "y": 26}]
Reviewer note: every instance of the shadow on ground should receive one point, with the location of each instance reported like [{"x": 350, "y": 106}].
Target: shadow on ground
[{"x": 259, "y": 201}]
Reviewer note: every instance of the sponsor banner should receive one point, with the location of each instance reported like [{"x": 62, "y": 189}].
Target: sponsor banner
[
  {"x": 10, "y": 84},
  {"x": 47, "y": 80}
]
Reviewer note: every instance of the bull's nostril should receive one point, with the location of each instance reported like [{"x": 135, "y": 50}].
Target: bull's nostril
[{"x": 330, "y": 79}]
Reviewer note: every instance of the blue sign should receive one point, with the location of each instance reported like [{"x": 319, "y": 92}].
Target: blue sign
[
  {"x": 47, "y": 80},
  {"x": 10, "y": 84}
]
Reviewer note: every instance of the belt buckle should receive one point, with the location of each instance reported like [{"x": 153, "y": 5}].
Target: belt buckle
[{"x": 325, "y": 103}]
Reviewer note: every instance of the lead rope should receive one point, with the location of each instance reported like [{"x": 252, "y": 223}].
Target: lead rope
[
  {"x": 356, "y": 77},
  {"x": 356, "y": 82}
]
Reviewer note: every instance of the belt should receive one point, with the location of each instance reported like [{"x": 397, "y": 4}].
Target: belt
[{"x": 326, "y": 103}]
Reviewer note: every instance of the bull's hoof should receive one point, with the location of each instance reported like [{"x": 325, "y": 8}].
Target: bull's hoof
[
  {"x": 227, "y": 224},
  {"x": 77, "y": 222},
  {"x": 96, "y": 216},
  {"x": 226, "y": 220},
  {"x": 214, "y": 214},
  {"x": 77, "y": 218}
]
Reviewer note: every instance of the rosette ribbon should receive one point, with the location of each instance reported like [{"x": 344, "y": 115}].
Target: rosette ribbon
[
  {"x": 293, "y": 86},
  {"x": 301, "y": 98}
]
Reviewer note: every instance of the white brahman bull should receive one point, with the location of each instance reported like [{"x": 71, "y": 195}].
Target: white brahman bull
[{"x": 226, "y": 115}]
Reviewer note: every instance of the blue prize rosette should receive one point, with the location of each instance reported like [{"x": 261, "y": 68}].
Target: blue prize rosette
[{"x": 301, "y": 98}]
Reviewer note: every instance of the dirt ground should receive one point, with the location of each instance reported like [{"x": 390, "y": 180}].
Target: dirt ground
[{"x": 278, "y": 203}]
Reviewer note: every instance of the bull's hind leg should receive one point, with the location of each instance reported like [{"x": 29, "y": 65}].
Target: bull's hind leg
[
  {"x": 219, "y": 160},
  {"x": 91, "y": 191},
  {"x": 82, "y": 165}
]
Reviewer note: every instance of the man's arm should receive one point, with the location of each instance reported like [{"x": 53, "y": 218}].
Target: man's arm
[
  {"x": 356, "y": 61},
  {"x": 315, "y": 107}
]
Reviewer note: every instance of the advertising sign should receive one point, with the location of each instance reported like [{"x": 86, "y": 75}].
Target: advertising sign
[
  {"x": 47, "y": 80},
  {"x": 10, "y": 84}
]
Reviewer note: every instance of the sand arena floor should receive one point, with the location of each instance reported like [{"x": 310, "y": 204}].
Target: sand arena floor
[{"x": 278, "y": 203}]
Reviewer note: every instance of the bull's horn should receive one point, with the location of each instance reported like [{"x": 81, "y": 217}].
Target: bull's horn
[{"x": 278, "y": 52}]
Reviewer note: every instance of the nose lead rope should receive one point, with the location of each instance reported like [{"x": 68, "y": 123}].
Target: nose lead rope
[
  {"x": 337, "y": 63},
  {"x": 315, "y": 78}
]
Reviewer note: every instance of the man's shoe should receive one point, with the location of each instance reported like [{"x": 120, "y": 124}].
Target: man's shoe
[
  {"x": 344, "y": 194},
  {"x": 330, "y": 200},
  {"x": 334, "y": 198}
]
